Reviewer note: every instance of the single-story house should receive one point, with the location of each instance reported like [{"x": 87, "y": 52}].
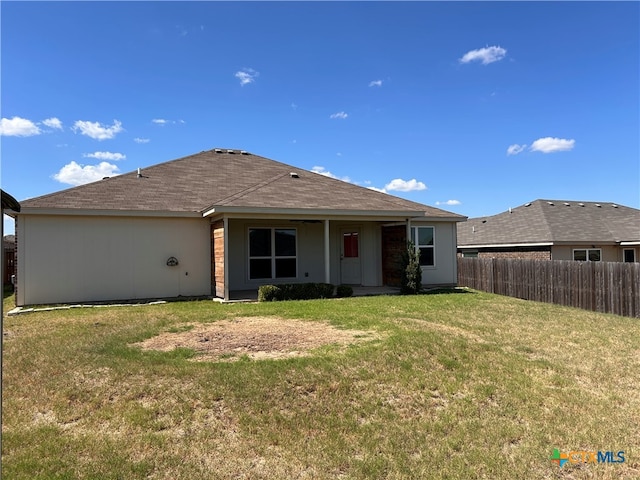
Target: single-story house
[
  {"x": 217, "y": 222},
  {"x": 555, "y": 230}
]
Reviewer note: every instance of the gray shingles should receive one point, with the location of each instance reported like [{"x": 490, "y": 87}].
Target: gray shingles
[
  {"x": 208, "y": 179},
  {"x": 552, "y": 221}
]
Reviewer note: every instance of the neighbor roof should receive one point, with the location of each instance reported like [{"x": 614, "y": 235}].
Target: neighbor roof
[
  {"x": 554, "y": 221},
  {"x": 221, "y": 179}
]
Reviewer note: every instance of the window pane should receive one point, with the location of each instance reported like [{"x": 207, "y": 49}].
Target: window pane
[
  {"x": 425, "y": 236},
  {"x": 580, "y": 255},
  {"x": 260, "y": 268},
  {"x": 594, "y": 255},
  {"x": 426, "y": 256},
  {"x": 630, "y": 255},
  {"x": 350, "y": 241},
  {"x": 285, "y": 267},
  {"x": 285, "y": 243},
  {"x": 259, "y": 242}
]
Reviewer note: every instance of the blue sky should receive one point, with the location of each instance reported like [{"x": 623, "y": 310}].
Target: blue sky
[{"x": 472, "y": 107}]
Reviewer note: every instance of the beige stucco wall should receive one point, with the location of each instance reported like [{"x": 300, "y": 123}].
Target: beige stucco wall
[
  {"x": 444, "y": 272},
  {"x": 610, "y": 253},
  {"x": 65, "y": 259}
]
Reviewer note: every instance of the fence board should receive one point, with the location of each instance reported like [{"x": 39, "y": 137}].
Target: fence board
[{"x": 608, "y": 287}]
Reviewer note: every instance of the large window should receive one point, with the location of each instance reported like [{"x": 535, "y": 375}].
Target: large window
[
  {"x": 587, "y": 254},
  {"x": 424, "y": 240},
  {"x": 272, "y": 253}
]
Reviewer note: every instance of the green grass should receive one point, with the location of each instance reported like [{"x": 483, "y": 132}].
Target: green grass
[{"x": 457, "y": 386}]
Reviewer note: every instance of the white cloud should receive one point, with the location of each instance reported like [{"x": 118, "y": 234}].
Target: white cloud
[
  {"x": 160, "y": 121},
  {"x": 450, "y": 202},
  {"x": 401, "y": 185},
  {"x": 75, "y": 174},
  {"x": 340, "y": 115},
  {"x": 246, "y": 76},
  {"x": 485, "y": 55},
  {"x": 141, "y": 140},
  {"x": 376, "y": 189},
  {"x": 96, "y": 131},
  {"x": 515, "y": 149},
  {"x": 106, "y": 156},
  {"x": 375, "y": 83},
  {"x": 326, "y": 173},
  {"x": 18, "y": 127},
  {"x": 53, "y": 122},
  {"x": 550, "y": 145}
]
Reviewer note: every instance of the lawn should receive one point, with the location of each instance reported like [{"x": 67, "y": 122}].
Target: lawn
[{"x": 450, "y": 385}]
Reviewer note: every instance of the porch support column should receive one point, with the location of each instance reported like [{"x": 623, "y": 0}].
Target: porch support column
[
  {"x": 409, "y": 230},
  {"x": 327, "y": 253},
  {"x": 225, "y": 222}
]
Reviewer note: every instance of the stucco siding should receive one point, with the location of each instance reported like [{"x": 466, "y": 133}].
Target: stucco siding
[{"x": 75, "y": 259}]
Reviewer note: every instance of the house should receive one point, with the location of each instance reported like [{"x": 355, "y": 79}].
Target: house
[
  {"x": 555, "y": 230},
  {"x": 217, "y": 222}
]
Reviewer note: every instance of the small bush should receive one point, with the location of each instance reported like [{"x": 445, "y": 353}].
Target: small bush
[
  {"x": 294, "y": 291},
  {"x": 344, "y": 291},
  {"x": 411, "y": 271},
  {"x": 269, "y": 293}
]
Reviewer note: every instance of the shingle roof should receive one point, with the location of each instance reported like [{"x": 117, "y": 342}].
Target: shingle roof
[
  {"x": 226, "y": 178},
  {"x": 554, "y": 221}
]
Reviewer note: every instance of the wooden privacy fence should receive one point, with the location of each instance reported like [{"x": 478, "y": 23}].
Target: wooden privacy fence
[{"x": 608, "y": 287}]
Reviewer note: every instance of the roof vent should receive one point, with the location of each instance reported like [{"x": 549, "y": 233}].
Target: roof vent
[
  {"x": 294, "y": 175},
  {"x": 244, "y": 152},
  {"x": 218, "y": 150},
  {"x": 527, "y": 204},
  {"x": 598, "y": 205},
  {"x": 581, "y": 204},
  {"x": 614, "y": 205},
  {"x": 567, "y": 204},
  {"x": 510, "y": 210},
  {"x": 230, "y": 151},
  {"x": 550, "y": 203}
]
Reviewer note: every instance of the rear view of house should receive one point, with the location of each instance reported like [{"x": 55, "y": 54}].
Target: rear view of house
[
  {"x": 556, "y": 230},
  {"x": 216, "y": 222}
]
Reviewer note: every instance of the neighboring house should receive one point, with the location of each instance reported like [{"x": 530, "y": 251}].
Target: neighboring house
[
  {"x": 220, "y": 221},
  {"x": 8, "y": 258},
  {"x": 555, "y": 230}
]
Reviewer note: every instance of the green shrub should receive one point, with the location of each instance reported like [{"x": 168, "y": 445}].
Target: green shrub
[
  {"x": 269, "y": 293},
  {"x": 344, "y": 291},
  {"x": 294, "y": 291},
  {"x": 411, "y": 271}
]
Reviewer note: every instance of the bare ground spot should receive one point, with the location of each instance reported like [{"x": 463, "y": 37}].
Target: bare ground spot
[{"x": 254, "y": 337}]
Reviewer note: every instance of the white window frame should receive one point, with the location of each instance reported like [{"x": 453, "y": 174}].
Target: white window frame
[
  {"x": 586, "y": 250},
  {"x": 415, "y": 237},
  {"x": 273, "y": 257}
]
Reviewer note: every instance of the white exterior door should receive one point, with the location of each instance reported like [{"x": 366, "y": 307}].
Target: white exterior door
[{"x": 350, "y": 267}]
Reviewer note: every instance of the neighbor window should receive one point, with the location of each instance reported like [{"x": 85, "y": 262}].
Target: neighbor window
[
  {"x": 629, "y": 255},
  {"x": 587, "y": 254},
  {"x": 424, "y": 240},
  {"x": 272, "y": 253}
]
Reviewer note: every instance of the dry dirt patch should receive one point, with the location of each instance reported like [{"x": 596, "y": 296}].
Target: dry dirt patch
[{"x": 255, "y": 337}]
